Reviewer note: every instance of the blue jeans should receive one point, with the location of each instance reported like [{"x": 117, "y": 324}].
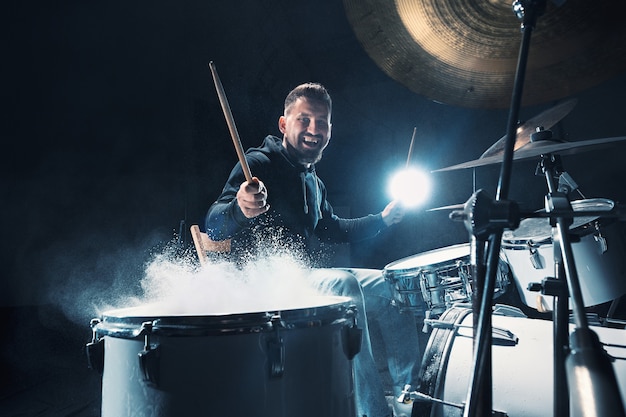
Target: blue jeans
[{"x": 373, "y": 298}]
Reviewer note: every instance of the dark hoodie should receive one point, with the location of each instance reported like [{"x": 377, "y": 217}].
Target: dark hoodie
[{"x": 299, "y": 215}]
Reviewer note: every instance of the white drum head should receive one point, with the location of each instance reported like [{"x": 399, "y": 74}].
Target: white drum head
[{"x": 430, "y": 258}]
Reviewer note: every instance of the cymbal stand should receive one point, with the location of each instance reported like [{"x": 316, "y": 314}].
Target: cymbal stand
[
  {"x": 590, "y": 374},
  {"x": 550, "y": 165},
  {"x": 582, "y": 362},
  {"x": 480, "y": 221},
  {"x": 485, "y": 219}
]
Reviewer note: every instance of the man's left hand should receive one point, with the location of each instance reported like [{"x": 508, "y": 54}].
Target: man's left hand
[{"x": 393, "y": 213}]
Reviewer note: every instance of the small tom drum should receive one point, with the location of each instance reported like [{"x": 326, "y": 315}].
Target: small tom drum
[
  {"x": 439, "y": 278},
  {"x": 598, "y": 248}
]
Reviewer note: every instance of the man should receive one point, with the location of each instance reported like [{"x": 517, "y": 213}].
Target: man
[{"x": 287, "y": 201}]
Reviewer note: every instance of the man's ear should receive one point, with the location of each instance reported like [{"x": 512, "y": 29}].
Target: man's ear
[{"x": 282, "y": 124}]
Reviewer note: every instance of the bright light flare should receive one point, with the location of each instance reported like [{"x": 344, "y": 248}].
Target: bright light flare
[{"x": 410, "y": 186}]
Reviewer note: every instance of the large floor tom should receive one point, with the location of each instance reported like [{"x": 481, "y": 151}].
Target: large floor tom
[{"x": 274, "y": 363}]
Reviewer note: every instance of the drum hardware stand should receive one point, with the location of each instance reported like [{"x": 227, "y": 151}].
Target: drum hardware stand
[
  {"x": 557, "y": 287},
  {"x": 485, "y": 219},
  {"x": 583, "y": 362},
  {"x": 489, "y": 218}
]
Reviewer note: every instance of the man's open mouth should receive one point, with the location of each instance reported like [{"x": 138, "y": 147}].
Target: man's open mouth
[{"x": 309, "y": 141}]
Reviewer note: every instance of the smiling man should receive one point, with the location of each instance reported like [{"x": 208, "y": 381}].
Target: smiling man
[
  {"x": 287, "y": 200},
  {"x": 306, "y": 127},
  {"x": 286, "y": 204}
]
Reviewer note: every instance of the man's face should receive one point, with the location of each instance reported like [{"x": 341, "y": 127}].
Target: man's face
[{"x": 306, "y": 129}]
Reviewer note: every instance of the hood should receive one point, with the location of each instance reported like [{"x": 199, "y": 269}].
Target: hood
[
  {"x": 273, "y": 145},
  {"x": 311, "y": 192}
]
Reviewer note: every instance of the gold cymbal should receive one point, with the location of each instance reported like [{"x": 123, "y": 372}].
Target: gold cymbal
[
  {"x": 542, "y": 147},
  {"x": 465, "y": 52},
  {"x": 547, "y": 119}
]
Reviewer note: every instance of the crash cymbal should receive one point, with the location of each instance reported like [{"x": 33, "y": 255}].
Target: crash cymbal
[
  {"x": 465, "y": 52},
  {"x": 542, "y": 147},
  {"x": 547, "y": 119}
]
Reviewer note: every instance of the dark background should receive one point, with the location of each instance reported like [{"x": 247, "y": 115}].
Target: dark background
[{"x": 113, "y": 137}]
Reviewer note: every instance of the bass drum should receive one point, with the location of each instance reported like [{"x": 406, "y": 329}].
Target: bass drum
[
  {"x": 522, "y": 361},
  {"x": 274, "y": 363}
]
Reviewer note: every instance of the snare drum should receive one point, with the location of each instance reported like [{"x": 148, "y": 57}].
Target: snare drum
[
  {"x": 598, "y": 248},
  {"x": 439, "y": 278},
  {"x": 275, "y": 363},
  {"x": 522, "y": 364}
]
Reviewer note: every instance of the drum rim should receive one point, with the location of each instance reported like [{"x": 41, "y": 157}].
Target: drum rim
[
  {"x": 437, "y": 353},
  {"x": 509, "y": 238},
  {"x": 389, "y": 269},
  {"x": 129, "y": 327}
]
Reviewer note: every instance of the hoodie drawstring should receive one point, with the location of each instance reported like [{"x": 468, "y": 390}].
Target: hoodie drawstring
[{"x": 315, "y": 197}]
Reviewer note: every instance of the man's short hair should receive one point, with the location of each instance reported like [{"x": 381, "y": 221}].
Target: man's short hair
[{"x": 311, "y": 91}]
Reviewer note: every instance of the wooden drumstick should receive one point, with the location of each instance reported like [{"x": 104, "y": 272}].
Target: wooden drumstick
[
  {"x": 408, "y": 159},
  {"x": 231, "y": 123}
]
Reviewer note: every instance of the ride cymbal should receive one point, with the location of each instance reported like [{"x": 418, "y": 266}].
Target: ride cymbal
[
  {"x": 465, "y": 52},
  {"x": 542, "y": 147}
]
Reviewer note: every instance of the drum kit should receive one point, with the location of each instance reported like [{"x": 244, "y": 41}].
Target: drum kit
[
  {"x": 482, "y": 358},
  {"x": 161, "y": 365},
  {"x": 441, "y": 280}
]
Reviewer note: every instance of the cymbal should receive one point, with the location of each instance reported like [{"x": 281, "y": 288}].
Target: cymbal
[
  {"x": 546, "y": 119},
  {"x": 542, "y": 147},
  {"x": 465, "y": 52}
]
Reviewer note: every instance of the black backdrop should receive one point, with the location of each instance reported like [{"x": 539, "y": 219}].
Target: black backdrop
[{"x": 113, "y": 133}]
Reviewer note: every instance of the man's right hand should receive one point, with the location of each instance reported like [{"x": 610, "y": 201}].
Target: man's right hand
[{"x": 252, "y": 198}]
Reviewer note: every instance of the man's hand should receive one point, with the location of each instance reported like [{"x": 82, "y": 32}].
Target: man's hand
[
  {"x": 393, "y": 213},
  {"x": 252, "y": 198}
]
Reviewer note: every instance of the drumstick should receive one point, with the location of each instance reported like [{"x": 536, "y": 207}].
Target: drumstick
[
  {"x": 231, "y": 123},
  {"x": 408, "y": 159}
]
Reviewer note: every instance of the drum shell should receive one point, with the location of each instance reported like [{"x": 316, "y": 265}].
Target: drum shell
[
  {"x": 601, "y": 274},
  {"x": 522, "y": 373},
  {"x": 437, "y": 279},
  {"x": 431, "y": 280},
  {"x": 203, "y": 371}
]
